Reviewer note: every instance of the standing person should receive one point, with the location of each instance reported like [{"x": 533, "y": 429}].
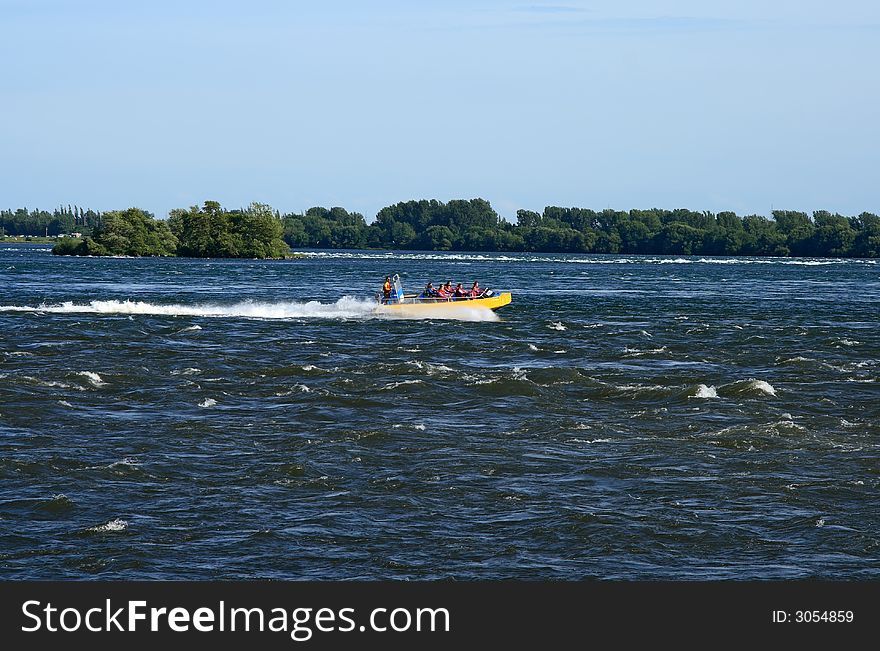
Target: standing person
[
  {"x": 386, "y": 290},
  {"x": 475, "y": 290}
]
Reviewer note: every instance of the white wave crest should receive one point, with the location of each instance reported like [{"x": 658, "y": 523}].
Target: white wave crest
[
  {"x": 429, "y": 367},
  {"x": 557, "y": 325},
  {"x": 114, "y": 525},
  {"x": 93, "y": 378},
  {"x": 394, "y": 385},
  {"x": 757, "y": 386},
  {"x": 799, "y": 359},
  {"x": 50, "y": 383},
  {"x": 704, "y": 391},
  {"x": 186, "y": 371},
  {"x": 207, "y": 402},
  {"x": 346, "y": 307},
  {"x": 635, "y": 352},
  {"x": 761, "y": 385}
]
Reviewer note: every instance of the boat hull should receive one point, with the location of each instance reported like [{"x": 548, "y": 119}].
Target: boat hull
[{"x": 427, "y": 306}]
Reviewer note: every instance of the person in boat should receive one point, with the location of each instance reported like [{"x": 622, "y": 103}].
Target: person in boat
[
  {"x": 430, "y": 292},
  {"x": 476, "y": 291},
  {"x": 460, "y": 292},
  {"x": 386, "y": 290},
  {"x": 444, "y": 291}
]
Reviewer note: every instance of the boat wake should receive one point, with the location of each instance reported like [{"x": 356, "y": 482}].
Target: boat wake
[{"x": 346, "y": 307}]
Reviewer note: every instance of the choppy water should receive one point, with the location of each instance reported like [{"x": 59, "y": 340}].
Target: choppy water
[{"x": 626, "y": 417}]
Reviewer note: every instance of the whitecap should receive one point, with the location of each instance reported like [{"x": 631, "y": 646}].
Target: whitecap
[
  {"x": 207, "y": 402},
  {"x": 186, "y": 371},
  {"x": 93, "y": 378},
  {"x": 636, "y": 352},
  {"x": 113, "y": 525},
  {"x": 795, "y": 360},
  {"x": 761, "y": 385},
  {"x": 533, "y": 347},
  {"x": 704, "y": 391},
  {"x": 518, "y": 373},
  {"x": 557, "y": 325},
  {"x": 758, "y": 386},
  {"x": 431, "y": 369},
  {"x": 50, "y": 383},
  {"x": 191, "y": 328},
  {"x": 394, "y": 385}
]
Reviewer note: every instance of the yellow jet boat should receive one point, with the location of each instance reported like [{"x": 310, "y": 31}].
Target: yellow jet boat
[{"x": 415, "y": 304}]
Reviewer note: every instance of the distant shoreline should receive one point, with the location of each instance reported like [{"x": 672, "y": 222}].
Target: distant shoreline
[{"x": 260, "y": 231}]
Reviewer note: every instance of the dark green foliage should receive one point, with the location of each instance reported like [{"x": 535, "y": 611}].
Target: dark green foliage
[
  {"x": 40, "y": 222},
  {"x": 123, "y": 232},
  {"x": 465, "y": 225},
  {"x": 474, "y": 226},
  {"x": 213, "y": 232},
  {"x": 69, "y": 246}
]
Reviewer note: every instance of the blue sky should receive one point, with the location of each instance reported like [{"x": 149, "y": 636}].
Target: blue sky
[{"x": 706, "y": 105}]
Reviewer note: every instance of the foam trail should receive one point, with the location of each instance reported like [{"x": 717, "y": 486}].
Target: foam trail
[{"x": 345, "y": 308}]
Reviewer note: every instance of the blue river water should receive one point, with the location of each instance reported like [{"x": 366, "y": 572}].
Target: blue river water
[{"x": 625, "y": 417}]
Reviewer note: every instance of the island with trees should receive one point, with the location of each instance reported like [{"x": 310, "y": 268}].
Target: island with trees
[{"x": 259, "y": 231}]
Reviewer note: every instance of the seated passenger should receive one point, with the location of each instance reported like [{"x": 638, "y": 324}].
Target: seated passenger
[
  {"x": 460, "y": 292},
  {"x": 475, "y": 292},
  {"x": 430, "y": 292},
  {"x": 443, "y": 292}
]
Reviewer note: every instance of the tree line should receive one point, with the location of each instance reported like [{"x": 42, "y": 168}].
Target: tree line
[
  {"x": 473, "y": 225},
  {"x": 71, "y": 219}
]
